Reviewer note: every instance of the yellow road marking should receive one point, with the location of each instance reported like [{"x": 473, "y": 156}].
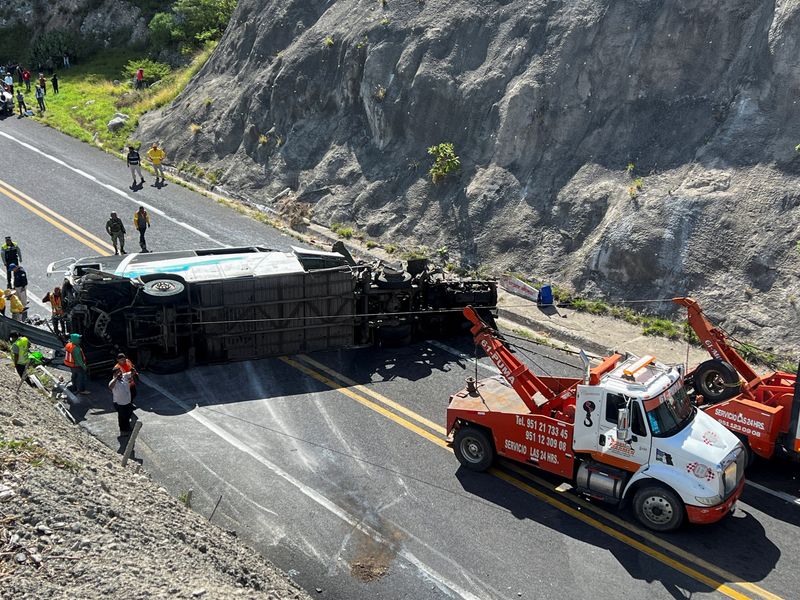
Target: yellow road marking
[
  {"x": 700, "y": 562},
  {"x": 58, "y": 216},
  {"x": 368, "y": 403},
  {"x": 381, "y": 398},
  {"x": 73, "y": 233},
  {"x": 663, "y": 558}
]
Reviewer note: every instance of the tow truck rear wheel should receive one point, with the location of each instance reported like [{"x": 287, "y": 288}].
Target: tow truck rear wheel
[
  {"x": 473, "y": 449},
  {"x": 716, "y": 380},
  {"x": 658, "y": 508}
]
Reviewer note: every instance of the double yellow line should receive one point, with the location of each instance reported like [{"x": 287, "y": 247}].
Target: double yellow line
[
  {"x": 435, "y": 433},
  {"x": 57, "y": 220}
]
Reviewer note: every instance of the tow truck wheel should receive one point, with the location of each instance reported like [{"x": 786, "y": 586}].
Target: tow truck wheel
[
  {"x": 658, "y": 508},
  {"x": 473, "y": 449},
  {"x": 716, "y": 380}
]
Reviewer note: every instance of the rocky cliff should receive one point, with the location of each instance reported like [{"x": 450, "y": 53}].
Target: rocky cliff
[{"x": 548, "y": 103}]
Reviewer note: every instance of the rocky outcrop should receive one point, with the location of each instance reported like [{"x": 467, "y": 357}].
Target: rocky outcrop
[
  {"x": 547, "y": 103},
  {"x": 104, "y": 23}
]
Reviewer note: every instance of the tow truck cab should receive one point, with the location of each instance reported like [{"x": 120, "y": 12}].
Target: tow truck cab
[{"x": 627, "y": 432}]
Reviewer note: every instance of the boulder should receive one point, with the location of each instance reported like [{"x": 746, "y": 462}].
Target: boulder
[{"x": 116, "y": 124}]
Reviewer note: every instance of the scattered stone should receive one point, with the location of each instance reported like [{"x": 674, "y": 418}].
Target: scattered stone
[
  {"x": 115, "y": 83},
  {"x": 198, "y": 593},
  {"x": 18, "y": 422},
  {"x": 20, "y": 557},
  {"x": 89, "y": 102},
  {"x": 122, "y": 116},
  {"x": 116, "y": 124}
]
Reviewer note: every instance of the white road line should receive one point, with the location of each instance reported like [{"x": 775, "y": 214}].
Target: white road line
[
  {"x": 782, "y": 495},
  {"x": 462, "y": 355},
  {"x": 152, "y": 209},
  {"x": 444, "y": 585}
]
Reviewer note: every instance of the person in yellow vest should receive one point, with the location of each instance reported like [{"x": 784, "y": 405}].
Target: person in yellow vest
[
  {"x": 20, "y": 353},
  {"x": 17, "y": 308},
  {"x": 55, "y": 299},
  {"x": 156, "y": 156},
  {"x": 75, "y": 359}
]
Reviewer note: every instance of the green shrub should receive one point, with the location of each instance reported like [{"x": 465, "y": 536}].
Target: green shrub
[
  {"x": 445, "y": 161},
  {"x": 203, "y": 20},
  {"x": 662, "y": 327},
  {"x": 153, "y": 71},
  {"x": 163, "y": 30},
  {"x": 48, "y": 49}
]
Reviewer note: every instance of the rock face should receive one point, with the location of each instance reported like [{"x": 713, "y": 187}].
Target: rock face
[
  {"x": 547, "y": 103},
  {"x": 102, "y": 23}
]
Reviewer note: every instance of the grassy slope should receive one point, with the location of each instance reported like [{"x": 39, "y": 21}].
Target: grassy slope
[{"x": 88, "y": 99}]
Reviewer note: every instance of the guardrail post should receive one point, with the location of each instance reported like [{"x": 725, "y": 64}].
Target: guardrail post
[{"x": 131, "y": 443}]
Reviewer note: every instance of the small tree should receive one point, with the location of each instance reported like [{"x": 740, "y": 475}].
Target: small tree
[{"x": 445, "y": 161}]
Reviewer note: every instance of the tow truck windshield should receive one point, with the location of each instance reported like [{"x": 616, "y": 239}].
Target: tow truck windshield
[{"x": 669, "y": 412}]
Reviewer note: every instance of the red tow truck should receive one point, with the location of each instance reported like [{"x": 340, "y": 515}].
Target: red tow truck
[
  {"x": 763, "y": 411},
  {"x": 626, "y": 431}
]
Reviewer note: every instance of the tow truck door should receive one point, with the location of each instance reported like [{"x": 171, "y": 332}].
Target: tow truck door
[
  {"x": 628, "y": 455},
  {"x": 588, "y": 406}
]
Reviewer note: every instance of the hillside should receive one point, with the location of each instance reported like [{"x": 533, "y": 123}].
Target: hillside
[
  {"x": 639, "y": 149},
  {"x": 75, "y": 524}
]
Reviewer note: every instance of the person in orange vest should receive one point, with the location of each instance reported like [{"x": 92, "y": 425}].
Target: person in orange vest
[
  {"x": 75, "y": 359},
  {"x": 2, "y": 303},
  {"x": 55, "y": 299},
  {"x": 125, "y": 365}
]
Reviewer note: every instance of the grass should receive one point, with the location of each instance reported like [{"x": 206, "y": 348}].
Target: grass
[
  {"x": 342, "y": 231},
  {"x": 88, "y": 99},
  {"x": 26, "y": 450}
]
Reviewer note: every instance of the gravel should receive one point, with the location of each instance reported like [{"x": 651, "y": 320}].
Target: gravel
[{"x": 74, "y": 523}]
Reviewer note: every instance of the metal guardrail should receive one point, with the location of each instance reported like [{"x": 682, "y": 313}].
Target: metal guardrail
[{"x": 37, "y": 335}]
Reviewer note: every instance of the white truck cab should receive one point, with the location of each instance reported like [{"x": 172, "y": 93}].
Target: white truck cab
[{"x": 639, "y": 420}]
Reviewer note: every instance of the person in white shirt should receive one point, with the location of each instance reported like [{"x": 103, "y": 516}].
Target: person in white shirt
[{"x": 121, "y": 395}]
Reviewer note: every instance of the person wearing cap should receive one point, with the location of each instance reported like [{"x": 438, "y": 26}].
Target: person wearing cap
[
  {"x": 20, "y": 285},
  {"x": 121, "y": 396},
  {"x": 12, "y": 255},
  {"x": 17, "y": 308},
  {"x": 156, "y": 156},
  {"x": 116, "y": 229},
  {"x": 126, "y": 366},
  {"x": 56, "y": 300}
]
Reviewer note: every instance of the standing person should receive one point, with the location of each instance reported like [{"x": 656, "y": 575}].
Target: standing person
[
  {"x": 66, "y": 60},
  {"x": 54, "y": 81},
  {"x": 40, "y": 98},
  {"x": 17, "y": 308},
  {"x": 20, "y": 285},
  {"x": 156, "y": 156},
  {"x": 2, "y": 303},
  {"x": 43, "y": 83},
  {"x": 9, "y": 81},
  {"x": 116, "y": 229},
  {"x": 23, "y": 108},
  {"x": 18, "y": 72},
  {"x": 20, "y": 353},
  {"x": 141, "y": 220},
  {"x": 26, "y": 77},
  {"x": 12, "y": 255},
  {"x": 55, "y": 299},
  {"x": 135, "y": 163},
  {"x": 139, "y": 78},
  {"x": 75, "y": 359},
  {"x": 126, "y": 366},
  {"x": 121, "y": 396}
]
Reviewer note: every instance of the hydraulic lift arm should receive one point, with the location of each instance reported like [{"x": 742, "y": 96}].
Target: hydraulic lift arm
[
  {"x": 714, "y": 340},
  {"x": 518, "y": 375}
]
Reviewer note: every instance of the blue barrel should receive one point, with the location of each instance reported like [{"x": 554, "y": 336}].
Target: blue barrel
[{"x": 545, "y": 295}]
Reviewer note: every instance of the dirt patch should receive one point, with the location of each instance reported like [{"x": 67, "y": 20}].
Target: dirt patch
[{"x": 374, "y": 557}]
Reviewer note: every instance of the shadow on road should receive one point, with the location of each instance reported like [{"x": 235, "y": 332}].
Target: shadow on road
[{"x": 719, "y": 544}]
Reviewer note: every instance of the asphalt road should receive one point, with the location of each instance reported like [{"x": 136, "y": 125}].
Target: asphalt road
[{"x": 334, "y": 465}]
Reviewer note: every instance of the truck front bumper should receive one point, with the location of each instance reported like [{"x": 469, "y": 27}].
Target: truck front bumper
[{"x": 712, "y": 514}]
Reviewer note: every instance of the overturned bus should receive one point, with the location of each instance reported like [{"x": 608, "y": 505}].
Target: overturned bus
[{"x": 171, "y": 310}]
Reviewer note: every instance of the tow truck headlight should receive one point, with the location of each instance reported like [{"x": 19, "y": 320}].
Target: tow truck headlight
[{"x": 708, "y": 500}]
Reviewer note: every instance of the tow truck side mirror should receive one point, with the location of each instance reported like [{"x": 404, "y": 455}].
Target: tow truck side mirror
[{"x": 623, "y": 425}]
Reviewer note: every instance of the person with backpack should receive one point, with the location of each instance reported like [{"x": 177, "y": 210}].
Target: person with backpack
[{"x": 135, "y": 164}]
